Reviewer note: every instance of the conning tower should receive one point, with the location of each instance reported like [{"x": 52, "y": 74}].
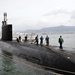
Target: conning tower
[{"x": 6, "y": 29}]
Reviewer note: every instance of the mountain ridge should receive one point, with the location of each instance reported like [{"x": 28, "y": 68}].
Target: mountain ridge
[{"x": 54, "y": 29}]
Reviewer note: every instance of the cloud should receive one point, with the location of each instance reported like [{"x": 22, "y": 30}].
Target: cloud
[
  {"x": 73, "y": 15},
  {"x": 54, "y": 18},
  {"x": 56, "y": 12},
  {"x": 58, "y": 17},
  {"x": 71, "y": 21}
]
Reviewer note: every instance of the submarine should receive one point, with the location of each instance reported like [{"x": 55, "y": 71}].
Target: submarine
[{"x": 40, "y": 55}]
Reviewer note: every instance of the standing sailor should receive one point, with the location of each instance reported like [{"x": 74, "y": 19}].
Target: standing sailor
[
  {"x": 36, "y": 40},
  {"x": 47, "y": 40},
  {"x": 41, "y": 40},
  {"x": 60, "y": 42}
]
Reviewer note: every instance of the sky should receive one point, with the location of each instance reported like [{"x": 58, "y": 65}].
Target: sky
[{"x": 37, "y": 14}]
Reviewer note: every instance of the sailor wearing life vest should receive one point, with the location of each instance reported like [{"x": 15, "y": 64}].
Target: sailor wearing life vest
[{"x": 60, "y": 42}]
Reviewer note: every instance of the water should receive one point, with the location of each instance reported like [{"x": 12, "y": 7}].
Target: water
[
  {"x": 12, "y": 65},
  {"x": 69, "y": 38}
]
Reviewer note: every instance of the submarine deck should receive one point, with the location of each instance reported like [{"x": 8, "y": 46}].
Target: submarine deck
[
  {"x": 66, "y": 52},
  {"x": 50, "y": 56}
]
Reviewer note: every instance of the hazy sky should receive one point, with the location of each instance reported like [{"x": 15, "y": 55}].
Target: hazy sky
[{"x": 35, "y": 14}]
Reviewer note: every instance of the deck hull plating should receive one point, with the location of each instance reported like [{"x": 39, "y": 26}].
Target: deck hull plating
[{"x": 38, "y": 54}]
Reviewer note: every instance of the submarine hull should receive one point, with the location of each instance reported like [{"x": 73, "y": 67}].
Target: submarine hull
[
  {"x": 39, "y": 55},
  {"x": 7, "y": 32}
]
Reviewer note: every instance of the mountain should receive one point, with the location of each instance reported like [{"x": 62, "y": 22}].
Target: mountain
[{"x": 54, "y": 29}]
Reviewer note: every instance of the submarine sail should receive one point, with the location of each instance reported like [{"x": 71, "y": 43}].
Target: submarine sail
[{"x": 6, "y": 29}]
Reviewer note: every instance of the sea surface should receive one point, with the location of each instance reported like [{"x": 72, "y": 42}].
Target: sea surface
[{"x": 69, "y": 38}]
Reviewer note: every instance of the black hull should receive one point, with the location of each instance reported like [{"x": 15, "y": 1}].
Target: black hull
[
  {"x": 7, "y": 32},
  {"x": 40, "y": 55}
]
